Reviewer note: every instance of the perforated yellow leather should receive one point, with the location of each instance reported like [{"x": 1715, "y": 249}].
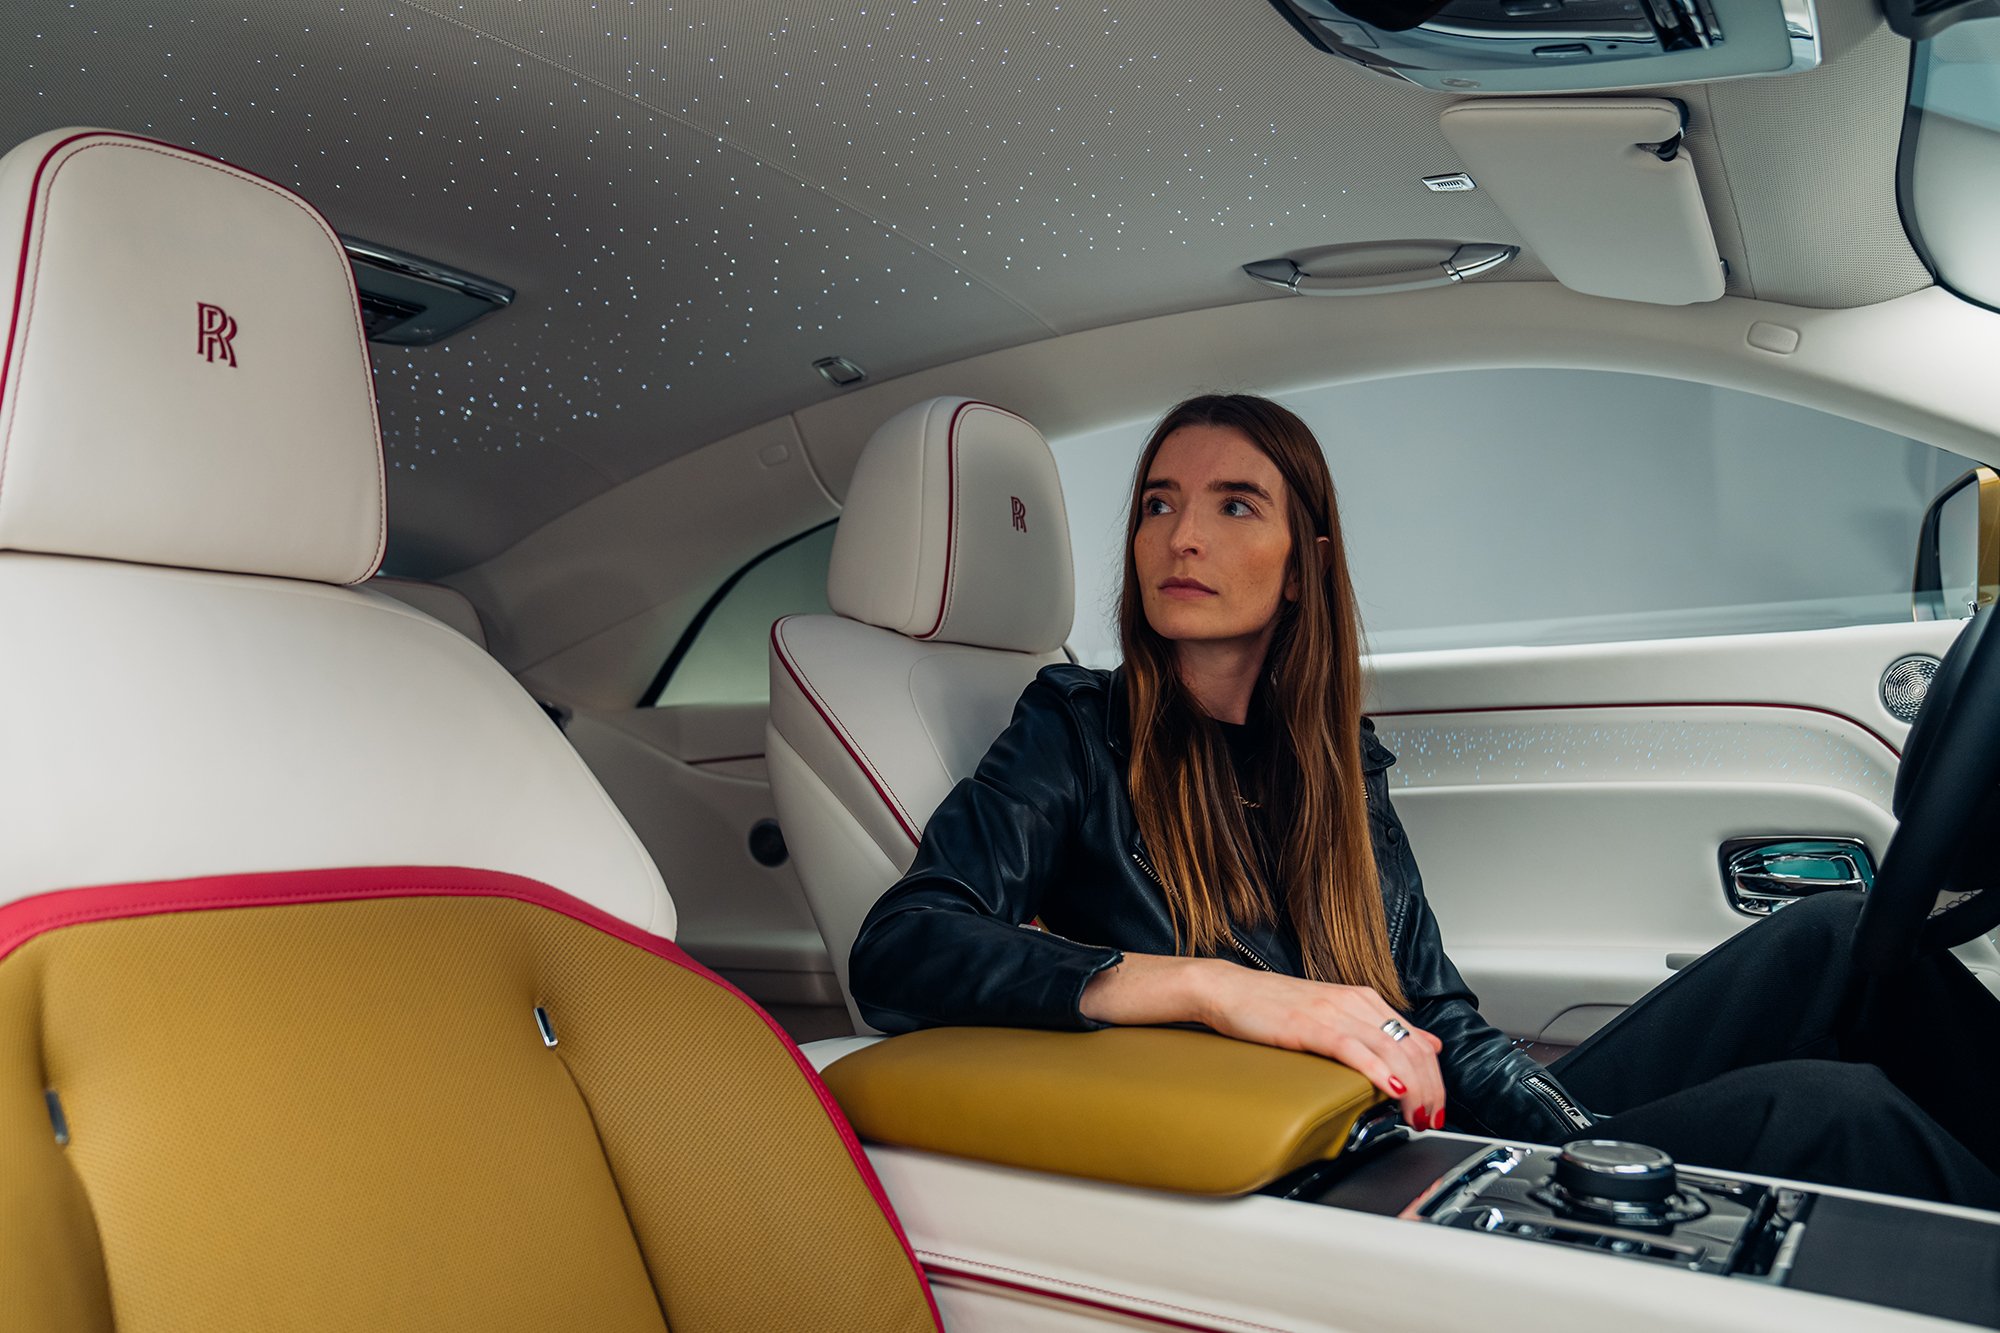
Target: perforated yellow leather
[{"x": 342, "y": 1116}]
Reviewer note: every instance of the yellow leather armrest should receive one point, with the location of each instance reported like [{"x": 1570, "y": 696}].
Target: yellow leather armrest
[{"x": 1164, "y": 1108}]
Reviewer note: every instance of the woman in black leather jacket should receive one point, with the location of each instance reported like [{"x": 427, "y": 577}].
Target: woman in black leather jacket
[{"x": 1187, "y": 831}]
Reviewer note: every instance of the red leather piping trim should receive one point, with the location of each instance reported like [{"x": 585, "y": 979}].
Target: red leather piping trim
[
  {"x": 1070, "y": 1297},
  {"x": 26, "y": 918},
  {"x": 367, "y": 362},
  {"x": 21, "y": 265},
  {"x": 1657, "y": 703},
  {"x": 951, "y": 510},
  {"x": 867, "y": 769}
]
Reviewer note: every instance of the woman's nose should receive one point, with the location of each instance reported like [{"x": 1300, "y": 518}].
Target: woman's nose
[{"x": 1187, "y": 535}]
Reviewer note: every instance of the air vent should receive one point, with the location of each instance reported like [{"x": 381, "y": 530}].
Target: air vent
[{"x": 413, "y": 302}]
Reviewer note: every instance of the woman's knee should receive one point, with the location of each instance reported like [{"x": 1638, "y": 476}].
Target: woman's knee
[
  {"x": 1829, "y": 917},
  {"x": 1829, "y": 1093}
]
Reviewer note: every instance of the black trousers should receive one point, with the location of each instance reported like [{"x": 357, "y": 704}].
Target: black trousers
[{"x": 1772, "y": 1054}]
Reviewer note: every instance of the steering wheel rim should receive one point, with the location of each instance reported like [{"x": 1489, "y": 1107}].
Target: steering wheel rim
[{"x": 1932, "y": 890}]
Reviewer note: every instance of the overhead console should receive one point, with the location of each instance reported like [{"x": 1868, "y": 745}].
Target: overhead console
[{"x": 1547, "y": 46}]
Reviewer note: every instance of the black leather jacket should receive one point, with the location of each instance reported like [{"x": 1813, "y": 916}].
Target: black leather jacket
[{"x": 1045, "y": 829}]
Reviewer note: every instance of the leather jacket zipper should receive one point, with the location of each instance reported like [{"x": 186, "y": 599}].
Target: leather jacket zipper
[{"x": 1234, "y": 943}]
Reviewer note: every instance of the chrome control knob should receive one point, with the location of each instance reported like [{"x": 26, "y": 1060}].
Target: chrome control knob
[
  {"x": 1623, "y": 1184},
  {"x": 1609, "y": 1173}
]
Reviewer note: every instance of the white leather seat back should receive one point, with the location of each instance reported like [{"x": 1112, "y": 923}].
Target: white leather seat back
[
  {"x": 952, "y": 586},
  {"x": 190, "y": 471}
]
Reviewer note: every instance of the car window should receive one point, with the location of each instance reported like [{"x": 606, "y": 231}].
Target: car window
[
  {"x": 1561, "y": 506},
  {"x": 723, "y": 656}
]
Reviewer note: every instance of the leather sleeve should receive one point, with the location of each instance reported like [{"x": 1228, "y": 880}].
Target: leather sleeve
[
  {"x": 1492, "y": 1087},
  {"x": 948, "y": 943}
]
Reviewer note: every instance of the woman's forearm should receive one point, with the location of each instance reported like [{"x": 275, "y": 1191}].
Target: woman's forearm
[
  {"x": 1149, "y": 988},
  {"x": 1351, "y": 1024}
]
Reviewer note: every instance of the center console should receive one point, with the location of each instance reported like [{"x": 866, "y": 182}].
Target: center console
[{"x": 1630, "y": 1203}]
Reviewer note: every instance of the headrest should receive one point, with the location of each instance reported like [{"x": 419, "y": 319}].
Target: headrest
[
  {"x": 184, "y": 378},
  {"x": 954, "y": 530}
]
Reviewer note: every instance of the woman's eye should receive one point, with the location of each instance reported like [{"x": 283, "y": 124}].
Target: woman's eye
[
  {"x": 1153, "y": 506},
  {"x": 1237, "y": 508}
]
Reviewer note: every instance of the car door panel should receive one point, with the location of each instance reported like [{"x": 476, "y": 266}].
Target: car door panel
[{"x": 1567, "y": 804}]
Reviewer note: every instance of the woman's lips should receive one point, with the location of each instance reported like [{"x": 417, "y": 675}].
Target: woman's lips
[{"x": 1185, "y": 589}]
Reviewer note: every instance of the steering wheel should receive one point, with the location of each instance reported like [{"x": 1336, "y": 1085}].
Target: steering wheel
[{"x": 1939, "y": 884}]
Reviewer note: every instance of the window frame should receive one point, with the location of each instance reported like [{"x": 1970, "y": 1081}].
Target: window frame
[{"x": 683, "y": 645}]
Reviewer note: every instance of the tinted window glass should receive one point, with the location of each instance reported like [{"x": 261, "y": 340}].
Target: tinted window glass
[
  {"x": 728, "y": 660},
  {"x": 1541, "y": 506}
]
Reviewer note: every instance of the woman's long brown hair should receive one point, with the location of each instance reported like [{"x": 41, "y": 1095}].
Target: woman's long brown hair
[{"x": 1183, "y": 787}]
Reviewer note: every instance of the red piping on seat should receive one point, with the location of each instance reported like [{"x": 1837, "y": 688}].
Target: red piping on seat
[
  {"x": 867, "y": 770},
  {"x": 114, "y": 138},
  {"x": 951, "y": 507},
  {"x": 1068, "y": 1293},
  {"x": 27, "y": 918}
]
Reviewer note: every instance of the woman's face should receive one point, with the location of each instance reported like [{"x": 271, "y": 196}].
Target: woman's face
[{"x": 1214, "y": 543}]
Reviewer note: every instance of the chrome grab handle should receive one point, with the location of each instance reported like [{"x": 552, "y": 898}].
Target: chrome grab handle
[{"x": 1760, "y": 875}]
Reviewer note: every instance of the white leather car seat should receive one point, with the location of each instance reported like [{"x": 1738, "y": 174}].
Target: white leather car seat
[
  {"x": 334, "y": 992},
  {"x": 951, "y": 586}
]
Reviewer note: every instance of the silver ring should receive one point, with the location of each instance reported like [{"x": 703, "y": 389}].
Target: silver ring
[{"x": 1395, "y": 1030}]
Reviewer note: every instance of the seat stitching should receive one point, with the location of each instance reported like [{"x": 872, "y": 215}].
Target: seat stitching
[
  {"x": 617, "y": 1189},
  {"x": 853, "y": 747}
]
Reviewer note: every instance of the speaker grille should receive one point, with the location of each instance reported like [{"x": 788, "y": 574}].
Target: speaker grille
[{"x": 1905, "y": 683}]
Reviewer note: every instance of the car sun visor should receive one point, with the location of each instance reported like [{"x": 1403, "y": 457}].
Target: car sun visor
[{"x": 1601, "y": 189}]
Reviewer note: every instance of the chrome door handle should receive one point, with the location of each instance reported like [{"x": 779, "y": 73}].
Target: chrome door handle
[{"x": 1760, "y": 875}]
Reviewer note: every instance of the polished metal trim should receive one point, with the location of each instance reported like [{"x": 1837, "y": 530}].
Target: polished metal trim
[
  {"x": 1467, "y": 261},
  {"x": 57, "y": 1120},
  {"x": 546, "y": 1028},
  {"x": 1278, "y": 272},
  {"x": 1753, "y": 889},
  {"x": 1904, "y": 684},
  {"x": 1802, "y": 30},
  {"x": 1462, "y": 1184},
  {"x": 839, "y": 371},
  {"x": 1379, "y": 1125},
  {"x": 1612, "y": 30},
  {"x": 428, "y": 270}
]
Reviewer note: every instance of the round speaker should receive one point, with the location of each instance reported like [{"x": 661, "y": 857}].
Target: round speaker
[
  {"x": 1905, "y": 683},
  {"x": 767, "y": 843}
]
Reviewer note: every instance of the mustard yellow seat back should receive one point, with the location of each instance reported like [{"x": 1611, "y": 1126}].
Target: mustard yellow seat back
[{"x": 325, "y": 1101}]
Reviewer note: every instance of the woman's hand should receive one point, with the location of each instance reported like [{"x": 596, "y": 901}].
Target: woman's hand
[{"x": 1343, "y": 1023}]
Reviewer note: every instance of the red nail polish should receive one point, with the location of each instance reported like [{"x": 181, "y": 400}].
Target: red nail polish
[
  {"x": 1396, "y": 1086},
  {"x": 1437, "y": 1121}
]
